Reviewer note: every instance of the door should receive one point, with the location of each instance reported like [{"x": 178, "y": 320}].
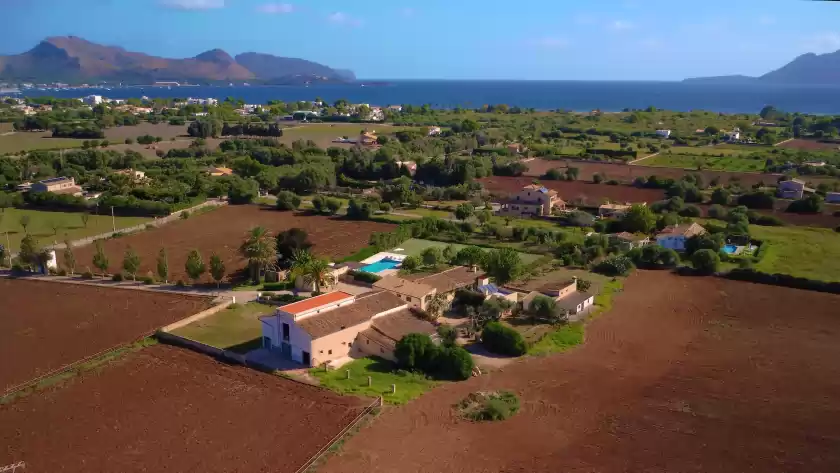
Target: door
[
  {"x": 286, "y": 350},
  {"x": 306, "y": 360},
  {"x": 285, "y": 332}
]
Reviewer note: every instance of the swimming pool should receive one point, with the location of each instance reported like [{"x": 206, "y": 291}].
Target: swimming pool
[
  {"x": 730, "y": 249},
  {"x": 381, "y": 265}
]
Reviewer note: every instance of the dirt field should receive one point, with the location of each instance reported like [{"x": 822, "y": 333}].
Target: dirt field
[
  {"x": 167, "y": 409},
  {"x": 809, "y": 145},
  {"x": 626, "y": 173},
  {"x": 44, "y": 326},
  {"x": 223, "y": 230},
  {"x": 684, "y": 375},
  {"x": 576, "y": 192},
  {"x": 163, "y": 130}
]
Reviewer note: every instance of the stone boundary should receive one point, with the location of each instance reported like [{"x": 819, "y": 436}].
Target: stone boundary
[{"x": 199, "y": 316}]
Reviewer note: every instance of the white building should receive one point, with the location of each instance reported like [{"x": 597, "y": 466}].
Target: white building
[
  {"x": 92, "y": 99},
  {"x": 434, "y": 130},
  {"x": 663, "y": 133},
  {"x": 675, "y": 236},
  {"x": 732, "y": 136}
]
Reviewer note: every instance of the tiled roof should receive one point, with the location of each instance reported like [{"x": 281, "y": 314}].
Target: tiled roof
[
  {"x": 313, "y": 302},
  {"x": 451, "y": 279},
  {"x": 350, "y": 315},
  {"x": 403, "y": 286},
  {"x": 571, "y": 301},
  {"x": 687, "y": 230}
]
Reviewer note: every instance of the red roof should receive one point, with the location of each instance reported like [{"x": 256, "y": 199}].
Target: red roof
[{"x": 314, "y": 302}]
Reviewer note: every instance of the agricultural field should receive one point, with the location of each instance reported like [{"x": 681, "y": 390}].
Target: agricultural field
[
  {"x": 812, "y": 253},
  {"x": 54, "y": 227},
  {"x": 728, "y": 162},
  {"x": 15, "y": 142},
  {"x": 626, "y": 173},
  {"x": 118, "y": 134},
  {"x": 222, "y": 231},
  {"x": 46, "y": 325},
  {"x": 809, "y": 145},
  {"x": 166, "y": 409},
  {"x": 416, "y": 246},
  {"x": 576, "y": 192},
  {"x": 324, "y": 133},
  {"x": 235, "y": 329},
  {"x": 716, "y": 373}
]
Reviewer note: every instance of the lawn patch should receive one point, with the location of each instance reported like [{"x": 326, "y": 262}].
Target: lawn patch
[
  {"x": 805, "y": 252},
  {"x": 236, "y": 328},
  {"x": 382, "y": 373}
]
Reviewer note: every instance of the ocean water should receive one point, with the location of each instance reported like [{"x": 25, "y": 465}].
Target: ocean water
[{"x": 541, "y": 95}]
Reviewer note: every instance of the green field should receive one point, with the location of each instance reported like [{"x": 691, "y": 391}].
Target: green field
[
  {"x": 324, "y": 133},
  {"x": 69, "y": 226},
  {"x": 236, "y": 328},
  {"x": 706, "y": 162},
  {"x": 415, "y": 246},
  {"x": 28, "y": 141},
  {"x": 805, "y": 252},
  {"x": 383, "y": 374}
]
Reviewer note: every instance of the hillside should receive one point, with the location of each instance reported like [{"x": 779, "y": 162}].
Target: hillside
[
  {"x": 807, "y": 69},
  {"x": 73, "y": 59}
]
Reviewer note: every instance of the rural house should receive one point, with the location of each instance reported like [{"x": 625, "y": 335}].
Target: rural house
[
  {"x": 532, "y": 200},
  {"x": 613, "y": 210},
  {"x": 564, "y": 293},
  {"x": 663, "y": 133},
  {"x": 414, "y": 293},
  {"x": 333, "y": 327},
  {"x": 792, "y": 189},
  {"x": 630, "y": 240},
  {"x": 57, "y": 185},
  {"x": 675, "y": 236}
]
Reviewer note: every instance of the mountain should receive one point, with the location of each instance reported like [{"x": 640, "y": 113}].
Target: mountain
[
  {"x": 807, "y": 69},
  {"x": 73, "y": 59}
]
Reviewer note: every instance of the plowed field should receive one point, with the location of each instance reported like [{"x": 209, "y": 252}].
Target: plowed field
[
  {"x": 684, "y": 375},
  {"x": 167, "y": 409},
  {"x": 223, "y": 230},
  {"x": 576, "y": 192},
  {"x": 45, "y": 326}
]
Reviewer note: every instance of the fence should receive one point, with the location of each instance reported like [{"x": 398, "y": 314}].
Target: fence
[{"x": 376, "y": 404}]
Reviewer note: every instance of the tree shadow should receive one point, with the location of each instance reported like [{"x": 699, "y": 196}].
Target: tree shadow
[{"x": 244, "y": 347}]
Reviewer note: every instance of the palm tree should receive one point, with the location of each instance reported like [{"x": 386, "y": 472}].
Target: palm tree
[
  {"x": 317, "y": 272},
  {"x": 260, "y": 248}
]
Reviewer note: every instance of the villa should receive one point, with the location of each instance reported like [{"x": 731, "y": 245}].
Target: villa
[
  {"x": 532, "y": 200},
  {"x": 57, "y": 185},
  {"x": 564, "y": 293},
  {"x": 613, "y": 210},
  {"x": 631, "y": 240},
  {"x": 793, "y": 189},
  {"x": 675, "y": 236}
]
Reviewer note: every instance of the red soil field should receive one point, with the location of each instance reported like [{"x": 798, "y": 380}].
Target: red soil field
[
  {"x": 576, "y": 192},
  {"x": 47, "y": 325},
  {"x": 684, "y": 375},
  {"x": 223, "y": 230},
  {"x": 626, "y": 173},
  {"x": 809, "y": 145},
  {"x": 167, "y": 409}
]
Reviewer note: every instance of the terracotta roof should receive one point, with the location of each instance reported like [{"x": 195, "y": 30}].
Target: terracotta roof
[
  {"x": 451, "y": 279},
  {"x": 687, "y": 230},
  {"x": 403, "y": 286},
  {"x": 313, "y": 302},
  {"x": 629, "y": 236},
  {"x": 350, "y": 315},
  {"x": 67, "y": 190},
  {"x": 399, "y": 324}
]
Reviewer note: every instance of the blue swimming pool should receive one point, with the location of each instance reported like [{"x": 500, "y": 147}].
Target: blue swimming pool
[
  {"x": 381, "y": 265},
  {"x": 730, "y": 249}
]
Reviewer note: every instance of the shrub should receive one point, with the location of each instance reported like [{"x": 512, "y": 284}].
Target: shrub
[
  {"x": 501, "y": 339},
  {"x": 717, "y": 211},
  {"x": 767, "y": 220},
  {"x": 491, "y": 406},
  {"x": 416, "y": 351},
  {"x": 690, "y": 211},
  {"x": 185, "y": 215},
  {"x": 277, "y": 286},
  {"x": 147, "y": 280},
  {"x": 811, "y": 204},
  {"x": 615, "y": 266},
  {"x": 118, "y": 277},
  {"x": 87, "y": 275},
  {"x": 448, "y": 334},
  {"x": 453, "y": 362},
  {"x": 365, "y": 277},
  {"x": 705, "y": 261},
  {"x": 180, "y": 283},
  {"x": 757, "y": 200},
  {"x": 287, "y": 200},
  {"x": 62, "y": 272}
]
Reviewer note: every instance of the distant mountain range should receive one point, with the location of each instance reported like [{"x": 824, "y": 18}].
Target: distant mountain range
[
  {"x": 807, "y": 69},
  {"x": 73, "y": 59}
]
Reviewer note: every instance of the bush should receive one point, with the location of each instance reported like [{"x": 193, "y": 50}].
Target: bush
[
  {"x": 416, "y": 351},
  {"x": 615, "y": 266},
  {"x": 118, "y": 277},
  {"x": 717, "y": 211},
  {"x": 705, "y": 261},
  {"x": 87, "y": 275},
  {"x": 757, "y": 200},
  {"x": 365, "y": 277},
  {"x": 287, "y": 200},
  {"x": 62, "y": 272},
  {"x": 690, "y": 211},
  {"x": 489, "y": 406},
  {"x": 453, "y": 362},
  {"x": 185, "y": 215},
  {"x": 448, "y": 334},
  {"x": 277, "y": 286},
  {"x": 180, "y": 283},
  {"x": 147, "y": 280},
  {"x": 811, "y": 204},
  {"x": 785, "y": 280},
  {"x": 767, "y": 220},
  {"x": 501, "y": 339}
]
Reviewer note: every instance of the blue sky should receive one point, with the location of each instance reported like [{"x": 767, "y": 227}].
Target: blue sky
[{"x": 454, "y": 39}]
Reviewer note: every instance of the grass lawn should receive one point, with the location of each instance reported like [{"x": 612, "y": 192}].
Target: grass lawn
[
  {"x": 27, "y": 141},
  {"x": 236, "y": 328},
  {"x": 324, "y": 133},
  {"x": 707, "y": 151},
  {"x": 383, "y": 374},
  {"x": 805, "y": 252},
  {"x": 70, "y": 225},
  {"x": 415, "y": 246},
  {"x": 706, "y": 162},
  {"x": 423, "y": 212}
]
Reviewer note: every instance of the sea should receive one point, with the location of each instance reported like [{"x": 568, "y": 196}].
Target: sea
[{"x": 541, "y": 95}]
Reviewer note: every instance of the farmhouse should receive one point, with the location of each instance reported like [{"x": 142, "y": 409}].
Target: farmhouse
[
  {"x": 792, "y": 189},
  {"x": 434, "y": 131},
  {"x": 220, "y": 171},
  {"x": 613, "y": 210},
  {"x": 414, "y": 293},
  {"x": 134, "y": 175},
  {"x": 448, "y": 281},
  {"x": 57, "y": 185},
  {"x": 564, "y": 293},
  {"x": 532, "y": 200},
  {"x": 337, "y": 325},
  {"x": 675, "y": 236},
  {"x": 631, "y": 240},
  {"x": 663, "y": 133}
]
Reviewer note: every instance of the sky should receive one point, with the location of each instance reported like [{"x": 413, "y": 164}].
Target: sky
[{"x": 454, "y": 39}]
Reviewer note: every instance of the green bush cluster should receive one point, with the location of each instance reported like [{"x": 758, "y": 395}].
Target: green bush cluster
[
  {"x": 417, "y": 352},
  {"x": 504, "y": 340},
  {"x": 490, "y": 406}
]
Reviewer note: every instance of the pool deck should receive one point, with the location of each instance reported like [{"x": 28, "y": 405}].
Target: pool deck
[{"x": 382, "y": 255}]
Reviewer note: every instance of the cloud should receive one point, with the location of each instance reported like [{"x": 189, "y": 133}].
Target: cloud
[
  {"x": 620, "y": 25},
  {"x": 276, "y": 8},
  {"x": 193, "y": 4},
  {"x": 823, "y": 42},
  {"x": 340, "y": 18}
]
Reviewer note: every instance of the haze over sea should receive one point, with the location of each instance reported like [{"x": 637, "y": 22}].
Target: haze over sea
[{"x": 541, "y": 95}]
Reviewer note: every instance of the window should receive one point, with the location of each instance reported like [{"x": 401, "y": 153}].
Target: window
[
  {"x": 367, "y": 342},
  {"x": 381, "y": 350},
  {"x": 329, "y": 352}
]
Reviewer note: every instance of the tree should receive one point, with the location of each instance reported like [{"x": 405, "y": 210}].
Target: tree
[
  {"x": 131, "y": 262},
  {"x": 615, "y": 266},
  {"x": 712, "y": 130},
  {"x": 385, "y": 207},
  {"x": 316, "y": 272},
  {"x": 290, "y": 240},
  {"x": 100, "y": 259},
  {"x": 504, "y": 340},
  {"x": 217, "y": 269},
  {"x": 470, "y": 256},
  {"x": 464, "y": 211},
  {"x": 333, "y": 206},
  {"x": 448, "y": 335},
  {"x": 597, "y": 178},
  {"x": 416, "y": 351},
  {"x": 721, "y": 196},
  {"x": 454, "y": 362},
  {"x": 163, "y": 265},
  {"x": 431, "y": 256},
  {"x": 717, "y": 211},
  {"x": 24, "y": 222},
  {"x": 260, "y": 249},
  {"x": 542, "y": 307},
  {"x": 583, "y": 285},
  {"x": 503, "y": 265},
  {"x": 56, "y": 226},
  {"x": 319, "y": 203},
  {"x": 436, "y": 307},
  {"x": 243, "y": 191},
  {"x": 639, "y": 219},
  {"x": 69, "y": 257},
  {"x": 705, "y": 261},
  {"x": 195, "y": 266},
  {"x": 449, "y": 254},
  {"x": 484, "y": 216},
  {"x": 85, "y": 219},
  {"x": 29, "y": 251},
  {"x": 811, "y": 204},
  {"x": 410, "y": 263},
  {"x": 287, "y": 200}
]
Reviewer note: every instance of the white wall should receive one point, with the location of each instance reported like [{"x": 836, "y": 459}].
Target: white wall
[{"x": 673, "y": 242}]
